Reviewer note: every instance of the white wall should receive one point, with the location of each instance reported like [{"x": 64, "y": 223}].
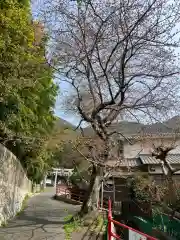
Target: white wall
[
  {"x": 158, "y": 169},
  {"x": 14, "y": 184}
]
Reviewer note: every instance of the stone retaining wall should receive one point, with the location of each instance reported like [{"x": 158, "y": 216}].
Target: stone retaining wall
[{"x": 14, "y": 185}]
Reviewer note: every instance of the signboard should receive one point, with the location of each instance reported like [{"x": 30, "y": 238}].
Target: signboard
[{"x": 135, "y": 236}]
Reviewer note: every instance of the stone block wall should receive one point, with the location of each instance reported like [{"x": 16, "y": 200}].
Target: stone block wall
[{"x": 14, "y": 185}]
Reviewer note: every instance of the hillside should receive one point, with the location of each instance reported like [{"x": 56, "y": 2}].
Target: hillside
[
  {"x": 61, "y": 123},
  {"x": 63, "y": 132},
  {"x": 61, "y": 142},
  {"x": 64, "y": 137},
  {"x": 135, "y": 128}
]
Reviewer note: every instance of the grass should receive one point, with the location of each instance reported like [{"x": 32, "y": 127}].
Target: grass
[
  {"x": 98, "y": 225},
  {"x": 3, "y": 224},
  {"x": 73, "y": 225},
  {"x": 24, "y": 204}
]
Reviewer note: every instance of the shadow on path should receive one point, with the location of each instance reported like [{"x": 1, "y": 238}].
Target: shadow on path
[{"x": 43, "y": 219}]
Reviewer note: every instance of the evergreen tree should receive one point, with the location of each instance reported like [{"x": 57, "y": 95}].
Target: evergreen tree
[{"x": 27, "y": 91}]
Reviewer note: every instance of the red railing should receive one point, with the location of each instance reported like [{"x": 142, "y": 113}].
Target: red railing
[
  {"x": 62, "y": 190},
  {"x": 112, "y": 222},
  {"x": 69, "y": 193}
]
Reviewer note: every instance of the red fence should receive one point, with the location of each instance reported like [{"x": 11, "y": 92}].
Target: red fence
[
  {"x": 63, "y": 190},
  {"x": 69, "y": 192},
  {"x": 113, "y": 235}
]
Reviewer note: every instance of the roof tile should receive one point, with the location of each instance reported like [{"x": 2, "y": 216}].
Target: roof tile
[
  {"x": 171, "y": 158},
  {"x": 131, "y": 162}
]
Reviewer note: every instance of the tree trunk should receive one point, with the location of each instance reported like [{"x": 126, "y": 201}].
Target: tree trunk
[
  {"x": 92, "y": 196},
  {"x": 171, "y": 193},
  {"x": 91, "y": 200}
]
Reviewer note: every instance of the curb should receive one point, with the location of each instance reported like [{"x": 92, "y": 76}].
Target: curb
[{"x": 66, "y": 200}]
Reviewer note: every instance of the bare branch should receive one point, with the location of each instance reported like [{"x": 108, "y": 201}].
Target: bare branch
[
  {"x": 120, "y": 59},
  {"x": 79, "y": 124}
]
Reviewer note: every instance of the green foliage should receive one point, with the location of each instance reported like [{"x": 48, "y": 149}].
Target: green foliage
[
  {"x": 24, "y": 3},
  {"x": 75, "y": 177},
  {"x": 60, "y": 155},
  {"x": 175, "y": 203},
  {"x": 72, "y": 224},
  {"x": 98, "y": 225},
  {"x": 139, "y": 186},
  {"x": 79, "y": 2},
  {"x": 93, "y": 221},
  {"x": 27, "y": 91},
  {"x": 36, "y": 167},
  {"x": 143, "y": 189},
  {"x": 80, "y": 176},
  {"x": 24, "y": 204},
  {"x": 64, "y": 154}
]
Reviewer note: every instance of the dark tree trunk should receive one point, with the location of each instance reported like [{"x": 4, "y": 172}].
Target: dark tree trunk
[{"x": 92, "y": 195}]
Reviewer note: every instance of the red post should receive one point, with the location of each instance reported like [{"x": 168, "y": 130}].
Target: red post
[{"x": 109, "y": 219}]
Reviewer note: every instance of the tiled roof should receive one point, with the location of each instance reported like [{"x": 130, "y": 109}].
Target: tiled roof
[
  {"x": 143, "y": 159},
  {"x": 171, "y": 158},
  {"x": 132, "y": 162},
  {"x": 121, "y": 174}
]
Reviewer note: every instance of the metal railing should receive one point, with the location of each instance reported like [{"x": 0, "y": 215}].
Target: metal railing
[
  {"x": 111, "y": 233},
  {"x": 69, "y": 193}
]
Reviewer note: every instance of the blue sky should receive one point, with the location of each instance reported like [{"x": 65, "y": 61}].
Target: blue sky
[{"x": 59, "y": 109}]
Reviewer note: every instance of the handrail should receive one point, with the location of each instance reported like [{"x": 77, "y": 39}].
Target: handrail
[
  {"x": 68, "y": 192},
  {"x": 111, "y": 220}
]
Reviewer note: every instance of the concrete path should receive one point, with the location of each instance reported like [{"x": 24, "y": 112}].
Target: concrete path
[{"x": 42, "y": 220}]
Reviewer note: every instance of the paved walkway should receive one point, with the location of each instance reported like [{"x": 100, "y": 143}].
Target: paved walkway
[{"x": 42, "y": 220}]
